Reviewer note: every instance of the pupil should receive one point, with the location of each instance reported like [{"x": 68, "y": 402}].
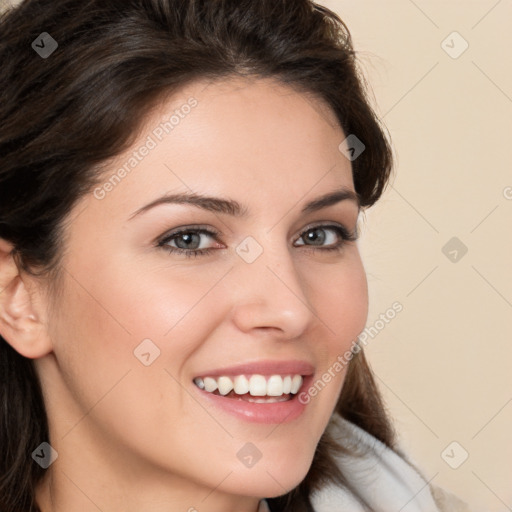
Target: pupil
[
  {"x": 187, "y": 238},
  {"x": 313, "y": 236}
]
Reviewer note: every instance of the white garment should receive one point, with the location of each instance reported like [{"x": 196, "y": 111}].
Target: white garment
[
  {"x": 263, "y": 506},
  {"x": 384, "y": 479}
]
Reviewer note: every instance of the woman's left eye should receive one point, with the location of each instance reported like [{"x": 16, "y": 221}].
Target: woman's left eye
[{"x": 190, "y": 239}]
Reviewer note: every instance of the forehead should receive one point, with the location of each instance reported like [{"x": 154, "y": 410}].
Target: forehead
[{"x": 239, "y": 138}]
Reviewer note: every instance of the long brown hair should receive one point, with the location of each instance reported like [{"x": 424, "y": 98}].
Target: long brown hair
[{"x": 63, "y": 115}]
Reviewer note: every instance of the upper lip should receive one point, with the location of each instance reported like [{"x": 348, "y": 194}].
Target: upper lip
[{"x": 264, "y": 367}]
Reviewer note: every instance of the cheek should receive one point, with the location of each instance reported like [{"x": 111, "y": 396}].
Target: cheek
[
  {"x": 342, "y": 306},
  {"x": 134, "y": 328},
  {"x": 101, "y": 323},
  {"x": 340, "y": 297}
]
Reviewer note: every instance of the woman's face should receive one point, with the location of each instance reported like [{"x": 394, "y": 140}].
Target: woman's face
[{"x": 135, "y": 323}]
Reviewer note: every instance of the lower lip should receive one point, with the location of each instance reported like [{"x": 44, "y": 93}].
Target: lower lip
[{"x": 277, "y": 412}]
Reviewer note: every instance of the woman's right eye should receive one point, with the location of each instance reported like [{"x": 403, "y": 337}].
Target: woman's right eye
[{"x": 188, "y": 238}]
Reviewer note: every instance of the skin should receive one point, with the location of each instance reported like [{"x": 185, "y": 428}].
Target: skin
[{"x": 130, "y": 437}]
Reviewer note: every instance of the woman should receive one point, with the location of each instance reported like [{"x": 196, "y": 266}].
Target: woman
[{"x": 135, "y": 135}]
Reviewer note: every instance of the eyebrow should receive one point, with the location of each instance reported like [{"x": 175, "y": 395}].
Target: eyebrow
[{"x": 235, "y": 209}]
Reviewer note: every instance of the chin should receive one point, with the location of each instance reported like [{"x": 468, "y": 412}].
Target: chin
[{"x": 271, "y": 479}]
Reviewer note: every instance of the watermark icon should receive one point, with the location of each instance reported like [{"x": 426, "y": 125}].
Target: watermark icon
[
  {"x": 454, "y": 455},
  {"x": 45, "y": 455},
  {"x": 146, "y": 352},
  {"x": 344, "y": 359},
  {"x": 454, "y": 45},
  {"x": 454, "y": 250},
  {"x": 249, "y": 455},
  {"x": 507, "y": 193},
  {"x": 151, "y": 142},
  {"x": 249, "y": 249},
  {"x": 352, "y": 147},
  {"x": 44, "y": 45}
]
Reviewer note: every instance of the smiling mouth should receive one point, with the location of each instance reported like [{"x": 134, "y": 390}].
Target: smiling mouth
[{"x": 252, "y": 388}]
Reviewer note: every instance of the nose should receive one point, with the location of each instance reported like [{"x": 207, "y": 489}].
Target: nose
[{"x": 270, "y": 294}]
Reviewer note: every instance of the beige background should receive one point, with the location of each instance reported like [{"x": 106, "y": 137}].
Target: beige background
[{"x": 444, "y": 362}]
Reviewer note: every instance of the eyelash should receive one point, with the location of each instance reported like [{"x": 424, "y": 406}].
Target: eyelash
[{"x": 344, "y": 233}]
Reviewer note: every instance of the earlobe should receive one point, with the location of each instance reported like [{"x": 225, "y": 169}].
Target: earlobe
[{"x": 21, "y": 323}]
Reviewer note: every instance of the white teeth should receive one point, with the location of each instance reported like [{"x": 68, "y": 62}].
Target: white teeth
[
  {"x": 210, "y": 384},
  {"x": 257, "y": 385},
  {"x": 199, "y": 382},
  {"x": 275, "y": 386},
  {"x": 241, "y": 385},
  {"x": 271, "y": 400},
  {"x": 225, "y": 385},
  {"x": 296, "y": 383},
  {"x": 287, "y": 384}
]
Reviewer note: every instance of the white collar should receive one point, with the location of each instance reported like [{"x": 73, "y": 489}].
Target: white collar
[
  {"x": 385, "y": 480},
  {"x": 263, "y": 506}
]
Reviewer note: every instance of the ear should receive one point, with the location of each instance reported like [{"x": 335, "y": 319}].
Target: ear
[{"x": 22, "y": 315}]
